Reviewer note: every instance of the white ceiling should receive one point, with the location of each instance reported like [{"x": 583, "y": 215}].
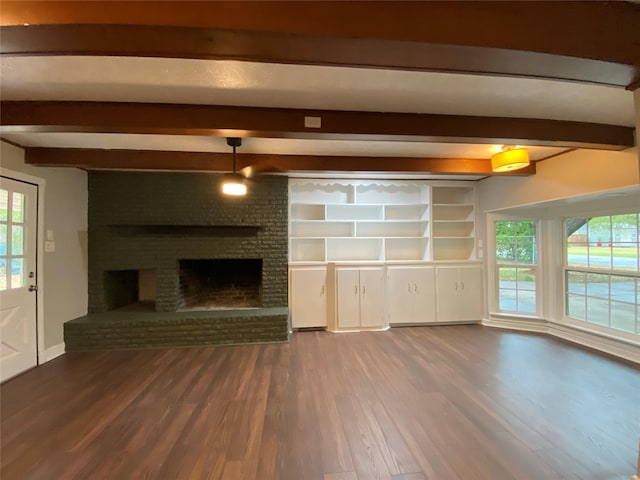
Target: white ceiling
[{"x": 161, "y": 80}]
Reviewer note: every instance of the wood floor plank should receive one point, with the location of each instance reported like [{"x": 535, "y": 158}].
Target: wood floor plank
[{"x": 414, "y": 403}]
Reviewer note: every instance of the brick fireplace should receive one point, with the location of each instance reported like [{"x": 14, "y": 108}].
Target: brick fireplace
[{"x": 157, "y": 241}]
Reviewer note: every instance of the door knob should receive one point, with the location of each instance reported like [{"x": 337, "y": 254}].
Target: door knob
[{"x": 33, "y": 288}]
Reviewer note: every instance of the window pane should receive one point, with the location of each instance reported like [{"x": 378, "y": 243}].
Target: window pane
[
  {"x": 600, "y": 231},
  {"x": 3, "y": 273},
  {"x": 576, "y": 307},
  {"x": 507, "y": 277},
  {"x": 600, "y": 255},
  {"x": 576, "y": 282},
  {"x": 526, "y": 301},
  {"x": 526, "y": 279},
  {"x": 623, "y": 316},
  {"x": 17, "y": 272},
  {"x": 598, "y": 285},
  {"x": 17, "y": 207},
  {"x": 625, "y": 256},
  {"x": 598, "y": 311},
  {"x": 623, "y": 289},
  {"x": 577, "y": 242},
  {"x": 17, "y": 240},
  {"x": 508, "y": 300},
  {"x": 3, "y": 239},
  {"x": 505, "y": 252},
  {"x": 4, "y": 205}
]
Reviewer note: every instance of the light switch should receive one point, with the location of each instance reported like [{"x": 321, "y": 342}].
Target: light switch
[{"x": 49, "y": 246}]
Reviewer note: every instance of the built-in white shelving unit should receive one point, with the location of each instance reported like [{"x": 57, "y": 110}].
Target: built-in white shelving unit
[
  {"x": 453, "y": 224},
  {"x": 366, "y": 254},
  {"x": 334, "y": 221}
]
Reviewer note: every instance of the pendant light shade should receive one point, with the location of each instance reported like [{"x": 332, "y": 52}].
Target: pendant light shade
[
  {"x": 510, "y": 159},
  {"x": 233, "y": 184}
]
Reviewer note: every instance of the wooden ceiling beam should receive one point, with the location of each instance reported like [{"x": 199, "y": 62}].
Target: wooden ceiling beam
[
  {"x": 307, "y": 49},
  {"x": 99, "y": 159},
  {"x": 171, "y": 119}
]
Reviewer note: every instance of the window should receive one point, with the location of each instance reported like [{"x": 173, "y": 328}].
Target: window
[
  {"x": 516, "y": 265},
  {"x": 11, "y": 240},
  {"x": 602, "y": 274}
]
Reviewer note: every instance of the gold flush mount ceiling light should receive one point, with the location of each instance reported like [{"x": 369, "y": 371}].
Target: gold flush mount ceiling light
[
  {"x": 233, "y": 183},
  {"x": 510, "y": 158}
]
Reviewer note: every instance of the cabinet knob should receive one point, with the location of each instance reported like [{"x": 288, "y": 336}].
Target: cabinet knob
[
  {"x": 409, "y": 287},
  {"x": 356, "y": 290},
  {"x": 322, "y": 290},
  {"x": 456, "y": 286},
  {"x": 462, "y": 283},
  {"x": 415, "y": 287},
  {"x": 363, "y": 290}
]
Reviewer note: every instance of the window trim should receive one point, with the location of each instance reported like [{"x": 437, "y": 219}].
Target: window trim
[
  {"x": 494, "y": 280},
  {"x": 565, "y": 267}
]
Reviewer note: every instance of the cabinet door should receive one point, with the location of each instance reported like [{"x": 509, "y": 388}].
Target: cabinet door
[
  {"x": 371, "y": 297},
  {"x": 424, "y": 296},
  {"x": 471, "y": 293},
  {"x": 448, "y": 293},
  {"x": 411, "y": 294},
  {"x": 308, "y": 297},
  {"x": 399, "y": 287},
  {"x": 348, "y": 297}
]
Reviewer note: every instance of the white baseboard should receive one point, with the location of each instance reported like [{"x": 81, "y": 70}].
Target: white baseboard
[
  {"x": 51, "y": 353},
  {"x": 582, "y": 336}
]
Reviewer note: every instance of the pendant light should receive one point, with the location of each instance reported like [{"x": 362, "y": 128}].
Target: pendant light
[
  {"x": 510, "y": 158},
  {"x": 233, "y": 183}
]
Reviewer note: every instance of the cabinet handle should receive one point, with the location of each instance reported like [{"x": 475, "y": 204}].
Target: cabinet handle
[
  {"x": 409, "y": 287},
  {"x": 462, "y": 285},
  {"x": 322, "y": 290},
  {"x": 456, "y": 286},
  {"x": 415, "y": 287},
  {"x": 356, "y": 290},
  {"x": 363, "y": 290}
]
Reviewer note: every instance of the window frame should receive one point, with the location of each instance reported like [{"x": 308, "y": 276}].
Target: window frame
[
  {"x": 609, "y": 271},
  {"x": 494, "y": 305}
]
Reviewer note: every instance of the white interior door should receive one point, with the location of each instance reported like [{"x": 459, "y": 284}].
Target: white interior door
[{"x": 18, "y": 324}]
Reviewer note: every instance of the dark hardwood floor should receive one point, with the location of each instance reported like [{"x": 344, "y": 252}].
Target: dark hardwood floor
[{"x": 436, "y": 403}]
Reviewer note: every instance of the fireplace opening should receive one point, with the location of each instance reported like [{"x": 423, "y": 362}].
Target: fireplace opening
[
  {"x": 219, "y": 284},
  {"x": 130, "y": 290}
]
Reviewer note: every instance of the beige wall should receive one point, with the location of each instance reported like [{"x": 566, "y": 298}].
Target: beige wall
[
  {"x": 65, "y": 213},
  {"x": 577, "y": 173}
]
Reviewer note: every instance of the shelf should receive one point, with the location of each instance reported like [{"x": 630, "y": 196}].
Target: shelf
[
  {"x": 406, "y": 212},
  {"x": 307, "y": 211},
  {"x": 345, "y": 249},
  {"x": 315, "y": 228},
  {"x": 381, "y": 220},
  {"x": 390, "y": 229},
  {"x": 452, "y": 195},
  {"x": 452, "y": 228},
  {"x": 307, "y": 250},
  {"x": 453, "y": 248},
  {"x": 405, "y": 248},
  {"x": 452, "y": 212},
  {"x": 354, "y": 212}
]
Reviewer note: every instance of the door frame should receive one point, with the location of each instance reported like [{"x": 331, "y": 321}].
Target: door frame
[{"x": 39, "y": 183}]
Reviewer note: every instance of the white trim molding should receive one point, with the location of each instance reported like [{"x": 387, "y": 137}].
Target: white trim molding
[
  {"x": 618, "y": 347},
  {"x": 51, "y": 353}
]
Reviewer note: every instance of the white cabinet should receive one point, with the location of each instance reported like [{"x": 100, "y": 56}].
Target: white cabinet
[
  {"x": 359, "y": 293},
  {"x": 411, "y": 294},
  {"x": 308, "y": 296},
  {"x": 459, "y": 293}
]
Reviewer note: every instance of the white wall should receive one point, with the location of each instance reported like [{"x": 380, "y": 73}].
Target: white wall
[{"x": 65, "y": 213}]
